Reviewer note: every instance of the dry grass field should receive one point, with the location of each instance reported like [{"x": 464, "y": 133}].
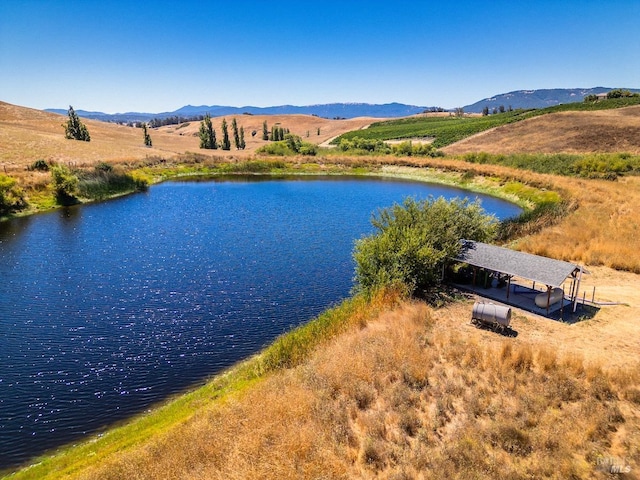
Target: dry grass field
[
  {"x": 419, "y": 393},
  {"x": 615, "y": 130},
  {"x": 27, "y": 135},
  {"x": 306, "y": 126}
]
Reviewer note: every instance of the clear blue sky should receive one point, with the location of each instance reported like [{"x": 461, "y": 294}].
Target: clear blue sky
[{"x": 155, "y": 56}]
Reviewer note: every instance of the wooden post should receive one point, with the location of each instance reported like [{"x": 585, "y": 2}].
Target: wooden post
[
  {"x": 575, "y": 302},
  {"x": 593, "y": 296},
  {"x": 548, "y": 298},
  {"x": 508, "y": 286}
]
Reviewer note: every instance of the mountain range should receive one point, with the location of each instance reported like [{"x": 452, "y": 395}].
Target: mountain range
[
  {"x": 329, "y": 110},
  {"x": 525, "y": 99}
]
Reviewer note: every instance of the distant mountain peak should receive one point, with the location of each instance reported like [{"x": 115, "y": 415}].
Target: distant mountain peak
[{"x": 542, "y": 98}]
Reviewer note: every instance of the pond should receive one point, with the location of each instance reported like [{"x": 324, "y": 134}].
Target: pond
[{"x": 108, "y": 308}]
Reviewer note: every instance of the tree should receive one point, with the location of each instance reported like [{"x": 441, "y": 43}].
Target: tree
[
  {"x": 74, "y": 129},
  {"x": 412, "y": 241},
  {"x": 485, "y": 111},
  {"x": 207, "y": 134},
  {"x": 147, "y": 137},
  {"x": 501, "y": 109},
  {"x": 242, "y": 142},
  {"x": 226, "y": 143},
  {"x": 236, "y": 134},
  {"x": 265, "y": 131},
  {"x": 619, "y": 93}
]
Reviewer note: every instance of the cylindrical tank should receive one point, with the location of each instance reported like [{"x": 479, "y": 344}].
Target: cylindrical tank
[
  {"x": 552, "y": 297},
  {"x": 491, "y": 313}
]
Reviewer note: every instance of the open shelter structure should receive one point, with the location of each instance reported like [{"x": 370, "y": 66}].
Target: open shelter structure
[{"x": 505, "y": 264}]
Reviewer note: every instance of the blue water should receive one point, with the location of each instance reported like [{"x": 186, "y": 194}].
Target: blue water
[{"x": 108, "y": 308}]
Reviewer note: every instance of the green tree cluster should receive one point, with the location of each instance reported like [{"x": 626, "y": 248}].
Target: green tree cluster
[
  {"x": 412, "y": 242},
  {"x": 207, "y": 134},
  {"x": 278, "y": 133},
  {"x": 291, "y": 145},
  {"x": 74, "y": 129}
]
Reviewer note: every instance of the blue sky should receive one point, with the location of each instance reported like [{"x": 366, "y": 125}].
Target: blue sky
[{"x": 135, "y": 55}]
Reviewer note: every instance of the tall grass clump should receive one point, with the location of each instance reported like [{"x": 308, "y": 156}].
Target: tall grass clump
[
  {"x": 543, "y": 214},
  {"x": 105, "y": 181},
  {"x": 253, "y": 166}
]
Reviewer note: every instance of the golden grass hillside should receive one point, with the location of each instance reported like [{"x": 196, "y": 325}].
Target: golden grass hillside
[
  {"x": 615, "y": 130},
  {"x": 305, "y": 126},
  {"x": 27, "y": 135}
]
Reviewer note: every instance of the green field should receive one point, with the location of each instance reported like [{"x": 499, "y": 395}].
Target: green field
[{"x": 448, "y": 130}]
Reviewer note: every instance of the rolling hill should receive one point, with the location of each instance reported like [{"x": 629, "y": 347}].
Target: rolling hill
[
  {"x": 616, "y": 130},
  {"x": 27, "y": 135}
]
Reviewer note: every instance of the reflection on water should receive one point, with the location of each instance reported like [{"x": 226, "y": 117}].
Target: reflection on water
[{"x": 107, "y": 308}]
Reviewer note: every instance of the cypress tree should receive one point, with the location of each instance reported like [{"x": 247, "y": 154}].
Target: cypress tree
[
  {"x": 265, "y": 131},
  {"x": 74, "y": 129},
  {"x": 226, "y": 143},
  {"x": 242, "y": 143},
  {"x": 147, "y": 137},
  {"x": 236, "y": 135}
]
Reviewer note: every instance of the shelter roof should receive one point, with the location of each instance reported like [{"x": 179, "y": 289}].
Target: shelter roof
[{"x": 545, "y": 270}]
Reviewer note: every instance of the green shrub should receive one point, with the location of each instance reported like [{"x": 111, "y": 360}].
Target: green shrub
[
  {"x": 291, "y": 145},
  {"x": 40, "y": 165},
  {"x": 279, "y": 148},
  {"x": 65, "y": 185},
  {"x": 413, "y": 240},
  {"x": 11, "y": 196}
]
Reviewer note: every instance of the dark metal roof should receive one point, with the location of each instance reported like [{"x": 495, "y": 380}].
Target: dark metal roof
[{"x": 545, "y": 270}]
